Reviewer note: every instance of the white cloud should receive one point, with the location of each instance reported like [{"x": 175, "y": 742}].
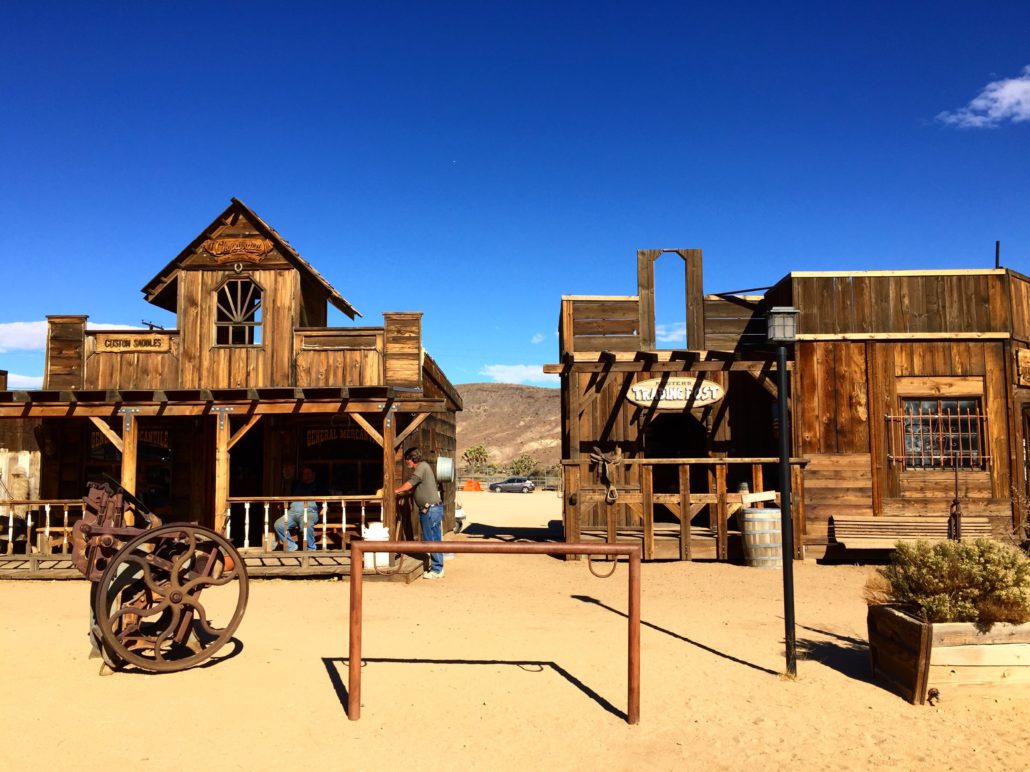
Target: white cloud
[
  {"x": 31, "y": 336},
  {"x": 671, "y": 333},
  {"x": 22, "y": 336},
  {"x": 1000, "y": 100},
  {"x": 15, "y": 381},
  {"x": 538, "y": 338},
  {"x": 519, "y": 374}
]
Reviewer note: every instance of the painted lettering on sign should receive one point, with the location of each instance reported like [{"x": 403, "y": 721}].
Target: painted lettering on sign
[
  {"x": 675, "y": 393},
  {"x": 133, "y": 344}
]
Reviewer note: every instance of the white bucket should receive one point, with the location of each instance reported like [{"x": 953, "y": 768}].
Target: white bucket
[
  {"x": 444, "y": 469},
  {"x": 376, "y": 531}
]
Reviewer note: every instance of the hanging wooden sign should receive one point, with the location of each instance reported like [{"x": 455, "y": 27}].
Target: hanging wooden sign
[
  {"x": 133, "y": 343},
  {"x": 227, "y": 250},
  {"x": 675, "y": 393}
]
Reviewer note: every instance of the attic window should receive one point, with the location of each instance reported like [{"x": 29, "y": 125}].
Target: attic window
[{"x": 238, "y": 322}]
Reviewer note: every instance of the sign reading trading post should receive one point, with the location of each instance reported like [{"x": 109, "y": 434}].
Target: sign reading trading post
[{"x": 675, "y": 393}]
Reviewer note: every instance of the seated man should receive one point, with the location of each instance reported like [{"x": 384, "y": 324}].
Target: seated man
[{"x": 294, "y": 517}]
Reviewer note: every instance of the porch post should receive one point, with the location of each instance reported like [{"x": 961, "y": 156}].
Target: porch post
[
  {"x": 221, "y": 469},
  {"x": 130, "y": 442},
  {"x": 389, "y": 474}
]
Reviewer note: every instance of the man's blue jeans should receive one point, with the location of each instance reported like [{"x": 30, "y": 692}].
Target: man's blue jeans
[
  {"x": 294, "y": 518},
  {"x": 432, "y": 530}
]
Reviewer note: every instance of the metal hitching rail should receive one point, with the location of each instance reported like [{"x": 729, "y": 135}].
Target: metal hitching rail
[{"x": 631, "y": 551}]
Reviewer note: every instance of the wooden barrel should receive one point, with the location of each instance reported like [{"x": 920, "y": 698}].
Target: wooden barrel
[{"x": 760, "y": 531}]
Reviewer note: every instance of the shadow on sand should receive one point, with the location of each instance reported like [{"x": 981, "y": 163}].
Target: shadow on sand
[
  {"x": 552, "y": 532},
  {"x": 334, "y": 665},
  {"x": 677, "y": 636},
  {"x": 848, "y": 656}
]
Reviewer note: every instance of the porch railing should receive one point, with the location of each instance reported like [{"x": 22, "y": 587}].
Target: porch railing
[
  {"x": 50, "y": 520},
  {"x": 585, "y": 490},
  {"x": 339, "y": 518}
]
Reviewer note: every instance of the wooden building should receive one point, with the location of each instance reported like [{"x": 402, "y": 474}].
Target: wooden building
[
  {"x": 214, "y": 419},
  {"x": 905, "y": 386}
]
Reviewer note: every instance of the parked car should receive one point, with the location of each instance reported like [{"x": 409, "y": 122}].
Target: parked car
[{"x": 513, "y": 485}]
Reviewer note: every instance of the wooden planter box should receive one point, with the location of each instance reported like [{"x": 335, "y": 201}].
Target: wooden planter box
[{"x": 913, "y": 657}]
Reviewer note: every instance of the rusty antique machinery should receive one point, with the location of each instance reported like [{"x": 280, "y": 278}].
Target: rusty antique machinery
[{"x": 148, "y": 582}]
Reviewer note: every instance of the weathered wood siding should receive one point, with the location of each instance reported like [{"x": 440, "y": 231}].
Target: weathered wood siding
[
  {"x": 599, "y": 324},
  {"x": 1019, "y": 295},
  {"x": 902, "y": 302},
  {"x": 831, "y": 410},
  {"x": 206, "y": 365},
  {"x": 132, "y": 370},
  {"x": 846, "y": 392},
  {"x": 734, "y": 322},
  {"x": 403, "y": 349},
  {"x": 65, "y": 355},
  {"x": 343, "y": 356}
]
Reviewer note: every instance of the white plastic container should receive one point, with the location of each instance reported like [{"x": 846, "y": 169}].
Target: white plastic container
[{"x": 376, "y": 531}]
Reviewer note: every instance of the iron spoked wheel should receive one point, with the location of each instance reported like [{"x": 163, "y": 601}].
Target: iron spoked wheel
[{"x": 147, "y": 605}]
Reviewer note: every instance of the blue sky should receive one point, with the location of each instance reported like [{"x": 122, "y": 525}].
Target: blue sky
[{"x": 476, "y": 161}]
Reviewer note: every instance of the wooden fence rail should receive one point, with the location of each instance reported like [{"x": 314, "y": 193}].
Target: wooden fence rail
[{"x": 584, "y": 489}]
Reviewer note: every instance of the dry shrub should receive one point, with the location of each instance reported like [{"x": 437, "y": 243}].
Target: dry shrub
[{"x": 980, "y": 581}]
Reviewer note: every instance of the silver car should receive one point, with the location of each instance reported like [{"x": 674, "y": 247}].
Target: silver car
[{"x": 513, "y": 485}]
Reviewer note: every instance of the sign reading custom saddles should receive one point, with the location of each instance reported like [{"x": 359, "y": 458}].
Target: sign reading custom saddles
[
  {"x": 114, "y": 343},
  {"x": 675, "y": 393}
]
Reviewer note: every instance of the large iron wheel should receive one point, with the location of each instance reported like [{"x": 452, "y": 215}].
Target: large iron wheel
[{"x": 147, "y": 605}]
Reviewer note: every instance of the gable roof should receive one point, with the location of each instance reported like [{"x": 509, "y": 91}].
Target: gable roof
[{"x": 157, "y": 289}]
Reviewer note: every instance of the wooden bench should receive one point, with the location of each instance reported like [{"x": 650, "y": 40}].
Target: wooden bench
[{"x": 882, "y": 533}]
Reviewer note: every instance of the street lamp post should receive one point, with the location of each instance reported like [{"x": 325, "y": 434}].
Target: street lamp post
[{"x": 782, "y": 330}]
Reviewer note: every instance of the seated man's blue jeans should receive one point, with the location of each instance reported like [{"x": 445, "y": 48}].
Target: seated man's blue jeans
[
  {"x": 432, "y": 530},
  {"x": 294, "y": 518}
]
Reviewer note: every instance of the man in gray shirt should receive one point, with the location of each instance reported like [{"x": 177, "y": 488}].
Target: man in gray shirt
[{"x": 430, "y": 508}]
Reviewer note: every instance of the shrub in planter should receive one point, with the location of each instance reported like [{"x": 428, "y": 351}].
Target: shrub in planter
[
  {"x": 981, "y": 582},
  {"x": 950, "y": 614}
]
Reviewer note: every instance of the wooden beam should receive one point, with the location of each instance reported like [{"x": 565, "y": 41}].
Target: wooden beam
[
  {"x": 389, "y": 475},
  {"x": 364, "y": 424},
  {"x": 765, "y": 380},
  {"x": 945, "y": 272},
  {"x": 108, "y": 432},
  {"x": 940, "y": 335},
  {"x": 221, "y": 470},
  {"x": 130, "y": 443},
  {"x": 417, "y": 422},
  {"x": 695, "y": 297},
  {"x": 684, "y": 483},
  {"x": 243, "y": 430},
  {"x": 647, "y": 502},
  {"x": 721, "y": 527},
  {"x": 645, "y": 291}
]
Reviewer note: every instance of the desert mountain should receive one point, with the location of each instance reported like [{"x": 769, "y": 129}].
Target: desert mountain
[{"x": 509, "y": 420}]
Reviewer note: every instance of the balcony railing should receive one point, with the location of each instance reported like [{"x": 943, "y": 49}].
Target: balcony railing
[
  {"x": 249, "y": 520},
  {"x": 50, "y": 521}
]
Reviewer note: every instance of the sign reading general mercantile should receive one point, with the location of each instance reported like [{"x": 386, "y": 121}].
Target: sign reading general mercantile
[
  {"x": 123, "y": 343},
  {"x": 675, "y": 393}
]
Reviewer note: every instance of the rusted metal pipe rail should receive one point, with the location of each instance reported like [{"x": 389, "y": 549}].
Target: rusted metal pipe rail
[{"x": 631, "y": 551}]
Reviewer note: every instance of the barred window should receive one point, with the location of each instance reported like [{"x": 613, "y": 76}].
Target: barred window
[
  {"x": 238, "y": 320},
  {"x": 939, "y": 434}
]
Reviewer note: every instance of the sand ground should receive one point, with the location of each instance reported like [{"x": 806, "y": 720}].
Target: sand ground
[{"x": 509, "y": 662}]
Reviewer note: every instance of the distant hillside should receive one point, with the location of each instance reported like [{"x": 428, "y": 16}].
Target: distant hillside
[{"x": 509, "y": 420}]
